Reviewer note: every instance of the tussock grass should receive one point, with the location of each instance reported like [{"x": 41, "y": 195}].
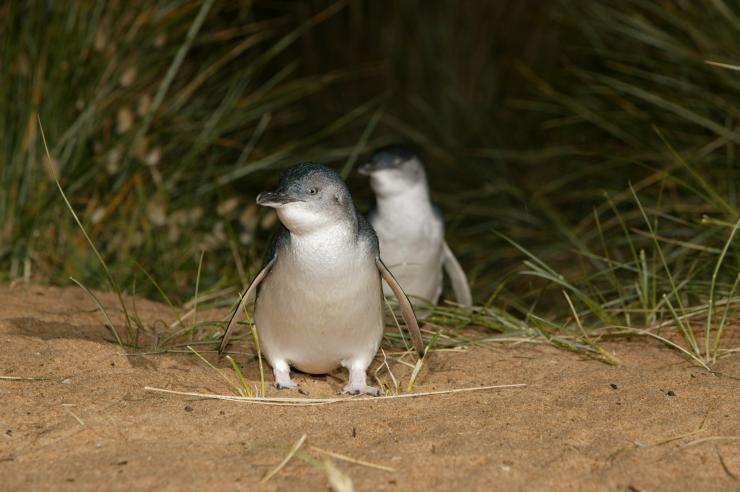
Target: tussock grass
[
  {"x": 142, "y": 102},
  {"x": 659, "y": 254}
]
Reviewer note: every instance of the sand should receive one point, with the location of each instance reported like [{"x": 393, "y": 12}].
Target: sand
[{"x": 653, "y": 423}]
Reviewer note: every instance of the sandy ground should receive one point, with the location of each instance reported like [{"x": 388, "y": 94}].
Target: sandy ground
[{"x": 653, "y": 423}]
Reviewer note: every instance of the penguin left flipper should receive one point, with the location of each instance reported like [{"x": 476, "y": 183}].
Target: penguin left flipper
[
  {"x": 457, "y": 278},
  {"x": 406, "y": 309},
  {"x": 250, "y": 290}
]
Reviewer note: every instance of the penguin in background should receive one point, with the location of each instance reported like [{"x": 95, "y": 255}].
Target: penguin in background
[
  {"x": 319, "y": 301},
  {"x": 410, "y": 228}
]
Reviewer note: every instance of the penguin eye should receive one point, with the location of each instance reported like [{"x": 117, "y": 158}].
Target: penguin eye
[{"x": 312, "y": 191}]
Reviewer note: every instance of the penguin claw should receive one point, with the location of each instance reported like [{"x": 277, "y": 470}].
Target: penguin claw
[
  {"x": 289, "y": 385},
  {"x": 365, "y": 389}
]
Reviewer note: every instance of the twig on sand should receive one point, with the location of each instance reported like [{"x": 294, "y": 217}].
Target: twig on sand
[
  {"x": 724, "y": 465},
  {"x": 72, "y": 414},
  {"x": 352, "y": 460},
  {"x": 670, "y": 439},
  {"x": 324, "y": 401},
  {"x": 292, "y": 451},
  {"x": 710, "y": 439},
  {"x": 19, "y": 378},
  {"x": 699, "y": 430}
]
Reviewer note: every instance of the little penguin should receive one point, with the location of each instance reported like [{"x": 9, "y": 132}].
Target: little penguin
[
  {"x": 319, "y": 299},
  {"x": 410, "y": 228}
]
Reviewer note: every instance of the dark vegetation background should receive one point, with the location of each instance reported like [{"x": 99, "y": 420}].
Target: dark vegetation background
[{"x": 165, "y": 119}]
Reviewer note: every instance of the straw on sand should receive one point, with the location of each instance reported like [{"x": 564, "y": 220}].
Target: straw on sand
[
  {"x": 324, "y": 401},
  {"x": 292, "y": 452},
  {"x": 20, "y": 378},
  {"x": 349, "y": 459}
]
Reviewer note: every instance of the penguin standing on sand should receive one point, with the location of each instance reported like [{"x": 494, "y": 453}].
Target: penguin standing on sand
[
  {"x": 411, "y": 229},
  {"x": 320, "y": 300}
]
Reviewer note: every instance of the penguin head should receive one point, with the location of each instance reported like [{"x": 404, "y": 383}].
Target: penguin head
[
  {"x": 394, "y": 169},
  {"x": 309, "y": 197}
]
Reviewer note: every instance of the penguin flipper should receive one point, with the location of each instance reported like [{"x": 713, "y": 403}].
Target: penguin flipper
[
  {"x": 250, "y": 290},
  {"x": 457, "y": 277},
  {"x": 406, "y": 309}
]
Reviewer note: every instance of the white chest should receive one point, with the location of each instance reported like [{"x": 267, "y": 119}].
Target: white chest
[
  {"x": 321, "y": 304},
  {"x": 411, "y": 240}
]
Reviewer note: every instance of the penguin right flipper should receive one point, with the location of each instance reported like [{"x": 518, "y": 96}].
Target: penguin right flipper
[
  {"x": 457, "y": 278},
  {"x": 406, "y": 309},
  {"x": 250, "y": 290}
]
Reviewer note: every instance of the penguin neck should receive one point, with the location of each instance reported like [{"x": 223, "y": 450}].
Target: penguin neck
[
  {"x": 410, "y": 206},
  {"x": 327, "y": 243}
]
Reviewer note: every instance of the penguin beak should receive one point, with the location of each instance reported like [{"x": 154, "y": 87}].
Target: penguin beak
[
  {"x": 366, "y": 169},
  {"x": 275, "y": 199}
]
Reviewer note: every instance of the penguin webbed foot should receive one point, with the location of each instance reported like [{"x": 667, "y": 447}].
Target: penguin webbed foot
[
  {"x": 286, "y": 385},
  {"x": 364, "y": 389},
  {"x": 358, "y": 378},
  {"x": 281, "y": 370}
]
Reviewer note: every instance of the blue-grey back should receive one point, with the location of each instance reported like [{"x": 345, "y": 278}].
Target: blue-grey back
[{"x": 367, "y": 234}]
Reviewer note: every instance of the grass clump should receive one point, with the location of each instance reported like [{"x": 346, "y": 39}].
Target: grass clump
[
  {"x": 657, "y": 256},
  {"x": 152, "y": 111}
]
